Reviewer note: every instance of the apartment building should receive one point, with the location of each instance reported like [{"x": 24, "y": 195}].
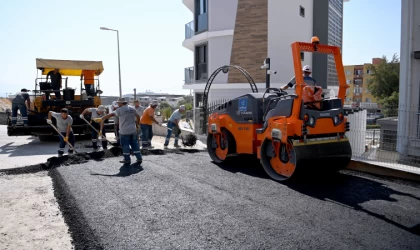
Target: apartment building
[
  {"x": 358, "y": 78},
  {"x": 245, "y": 32}
]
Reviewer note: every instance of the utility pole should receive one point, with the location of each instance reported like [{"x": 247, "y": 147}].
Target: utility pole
[
  {"x": 135, "y": 96},
  {"x": 268, "y": 72}
]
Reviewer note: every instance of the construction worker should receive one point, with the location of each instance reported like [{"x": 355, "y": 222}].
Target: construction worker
[
  {"x": 307, "y": 71},
  {"x": 89, "y": 80},
  {"x": 117, "y": 135},
  {"x": 140, "y": 111},
  {"x": 128, "y": 125},
  {"x": 64, "y": 123},
  {"x": 96, "y": 113},
  {"x": 146, "y": 122},
  {"x": 173, "y": 126},
  {"x": 56, "y": 84},
  {"x": 22, "y": 103}
]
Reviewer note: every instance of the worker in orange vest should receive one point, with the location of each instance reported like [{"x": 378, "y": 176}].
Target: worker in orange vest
[{"x": 89, "y": 80}]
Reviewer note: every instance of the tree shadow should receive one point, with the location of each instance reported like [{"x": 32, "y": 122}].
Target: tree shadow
[
  {"x": 341, "y": 188},
  {"x": 124, "y": 171}
]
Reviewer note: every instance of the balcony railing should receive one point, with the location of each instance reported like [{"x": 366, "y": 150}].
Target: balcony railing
[
  {"x": 202, "y": 22},
  {"x": 189, "y": 75},
  {"x": 189, "y": 30}
]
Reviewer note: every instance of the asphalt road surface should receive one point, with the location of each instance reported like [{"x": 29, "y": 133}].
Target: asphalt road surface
[{"x": 184, "y": 201}]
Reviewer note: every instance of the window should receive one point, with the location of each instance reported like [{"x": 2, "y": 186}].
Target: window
[
  {"x": 200, "y": 16},
  {"x": 348, "y": 72},
  {"x": 368, "y": 71},
  {"x": 348, "y": 81},
  {"x": 302, "y": 11},
  {"x": 201, "y": 62},
  {"x": 302, "y": 56},
  {"x": 368, "y": 100}
]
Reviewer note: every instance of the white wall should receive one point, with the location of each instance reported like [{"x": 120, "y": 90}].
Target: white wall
[
  {"x": 285, "y": 26},
  {"x": 409, "y": 74},
  {"x": 219, "y": 49},
  {"x": 222, "y": 14}
]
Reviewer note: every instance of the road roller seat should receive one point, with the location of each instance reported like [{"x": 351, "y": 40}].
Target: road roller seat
[{"x": 278, "y": 107}]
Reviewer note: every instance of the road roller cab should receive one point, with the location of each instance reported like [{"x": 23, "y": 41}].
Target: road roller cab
[{"x": 289, "y": 133}]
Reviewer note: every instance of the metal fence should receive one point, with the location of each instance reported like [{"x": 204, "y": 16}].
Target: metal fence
[{"x": 392, "y": 139}]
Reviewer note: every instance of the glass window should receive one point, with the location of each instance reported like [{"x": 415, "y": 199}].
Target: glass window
[{"x": 302, "y": 11}]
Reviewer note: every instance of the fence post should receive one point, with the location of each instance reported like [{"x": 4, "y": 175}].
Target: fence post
[{"x": 374, "y": 137}]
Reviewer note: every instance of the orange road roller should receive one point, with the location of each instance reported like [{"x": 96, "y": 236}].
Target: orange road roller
[{"x": 289, "y": 133}]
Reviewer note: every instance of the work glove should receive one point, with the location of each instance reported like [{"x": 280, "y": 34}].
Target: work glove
[
  {"x": 66, "y": 139},
  {"x": 97, "y": 120},
  {"x": 82, "y": 116},
  {"x": 49, "y": 121}
]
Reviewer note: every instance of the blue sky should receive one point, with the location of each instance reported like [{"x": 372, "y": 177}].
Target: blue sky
[{"x": 151, "y": 35}]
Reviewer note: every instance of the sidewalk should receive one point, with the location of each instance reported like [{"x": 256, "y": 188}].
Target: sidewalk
[{"x": 21, "y": 151}]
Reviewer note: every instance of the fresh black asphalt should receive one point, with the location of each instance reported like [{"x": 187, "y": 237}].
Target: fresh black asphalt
[{"x": 184, "y": 201}]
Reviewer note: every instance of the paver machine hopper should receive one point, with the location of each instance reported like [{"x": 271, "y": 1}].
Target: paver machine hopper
[{"x": 289, "y": 133}]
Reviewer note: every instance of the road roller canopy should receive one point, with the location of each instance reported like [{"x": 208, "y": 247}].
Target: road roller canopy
[{"x": 69, "y": 67}]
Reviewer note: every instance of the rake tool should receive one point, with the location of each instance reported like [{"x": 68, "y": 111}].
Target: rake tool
[{"x": 103, "y": 137}]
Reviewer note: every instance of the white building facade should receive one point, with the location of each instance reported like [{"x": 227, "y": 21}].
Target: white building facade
[
  {"x": 244, "y": 33},
  {"x": 408, "y": 138}
]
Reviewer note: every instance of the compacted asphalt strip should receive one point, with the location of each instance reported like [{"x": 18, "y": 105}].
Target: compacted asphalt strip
[{"x": 182, "y": 200}]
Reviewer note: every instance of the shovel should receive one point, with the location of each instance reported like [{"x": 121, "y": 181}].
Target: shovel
[
  {"x": 68, "y": 143},
  {"x": 114, "y": 144}
]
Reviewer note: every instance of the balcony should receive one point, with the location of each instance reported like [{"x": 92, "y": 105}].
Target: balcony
[
  {"x": 202, "y": 23},
  {"x": 189, "y": 30},
  {"x": 189, "y": 75}
]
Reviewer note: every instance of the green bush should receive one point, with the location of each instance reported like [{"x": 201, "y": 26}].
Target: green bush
[
  {"x": 166, "y": 113},
  {"x": 373, "y": 126}
]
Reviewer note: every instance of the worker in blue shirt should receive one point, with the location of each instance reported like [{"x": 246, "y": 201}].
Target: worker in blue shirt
[{"x": 307, "y": 71}]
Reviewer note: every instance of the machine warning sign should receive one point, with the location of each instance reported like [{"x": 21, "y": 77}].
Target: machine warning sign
[{"x": 243, "y": 104}]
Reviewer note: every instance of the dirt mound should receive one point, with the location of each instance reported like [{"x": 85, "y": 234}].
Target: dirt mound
[{"x": 5, "y": 104}]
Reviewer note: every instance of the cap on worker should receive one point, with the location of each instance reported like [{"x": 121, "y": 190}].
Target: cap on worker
[
  {"x": 307, "y": 68},
  {"x": 23, "y": 90},
  {"x": 64, "y": 110},
  {"x": 182, "y": 107},
  {"x": 121, "y": 100},
  {"x": 101, "y": 108},
  {"x": 154, "y": 103}
]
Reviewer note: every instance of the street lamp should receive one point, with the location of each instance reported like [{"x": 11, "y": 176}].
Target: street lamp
[{"x": 119, "y": 67}]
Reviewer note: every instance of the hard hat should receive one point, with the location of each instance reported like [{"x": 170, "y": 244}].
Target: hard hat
[
  {"x": 182, "y": 107},
  {"x": 121, "y": 100},
  {"x": 315, "y": 39},
  {"x": 307, "y": 68},
  {"x": 154, "y": 103},
  {"x": 115, "y": 104},
  {"x": 101, "y": 108}
]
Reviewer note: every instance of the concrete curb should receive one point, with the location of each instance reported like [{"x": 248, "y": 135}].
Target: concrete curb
[{"x": 382, "y": 171}]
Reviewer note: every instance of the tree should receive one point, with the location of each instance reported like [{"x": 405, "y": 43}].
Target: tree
[
  {"x": 385, "y": 83},
  {"x": 164, "y": 105}
]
